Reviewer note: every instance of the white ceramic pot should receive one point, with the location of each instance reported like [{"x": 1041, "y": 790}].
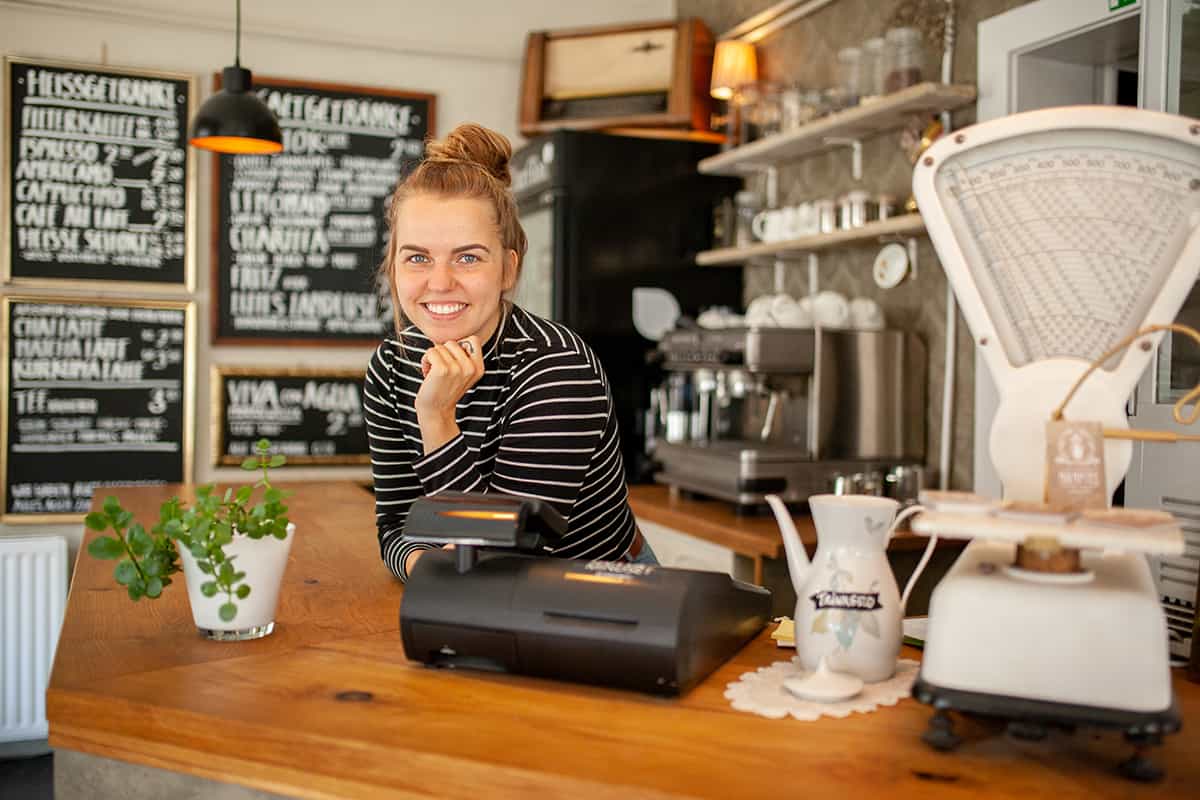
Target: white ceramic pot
[{"x": 263, "y": 560}]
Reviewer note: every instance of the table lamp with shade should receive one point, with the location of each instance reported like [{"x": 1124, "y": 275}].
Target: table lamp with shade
[
  {"x": 234, "y": 119},
  {"x": 735, "y": 64}
]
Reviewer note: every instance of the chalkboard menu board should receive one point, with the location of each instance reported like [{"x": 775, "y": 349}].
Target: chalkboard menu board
[
  {"x": 98, "y": 181},
  {"x": 313, "y": 416},
  {"x": 96, "y": 394},
  {"x": 298, "y": 236}
]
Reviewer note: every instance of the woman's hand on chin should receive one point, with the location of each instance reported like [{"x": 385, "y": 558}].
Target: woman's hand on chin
[{"x": 450, "y": 369}]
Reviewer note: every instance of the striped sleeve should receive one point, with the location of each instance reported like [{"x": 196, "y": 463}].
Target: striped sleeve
[
  {"x": 391, "y": 453},
  {"x": 557, "y": 414}
]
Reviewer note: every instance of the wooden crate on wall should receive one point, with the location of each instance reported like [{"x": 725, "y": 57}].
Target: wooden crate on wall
[{"x": 653, "y": 74}]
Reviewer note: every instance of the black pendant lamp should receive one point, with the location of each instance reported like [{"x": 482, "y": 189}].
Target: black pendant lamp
[{"x": 235, "y": 120}]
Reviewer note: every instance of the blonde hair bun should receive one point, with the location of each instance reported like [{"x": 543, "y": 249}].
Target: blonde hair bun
[{"x": 470, "y": 143}]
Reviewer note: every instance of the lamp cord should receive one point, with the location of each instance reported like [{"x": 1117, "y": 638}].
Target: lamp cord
[
  {"x": 1192, "y": 397},
  {"x": 237, "y": 42}
]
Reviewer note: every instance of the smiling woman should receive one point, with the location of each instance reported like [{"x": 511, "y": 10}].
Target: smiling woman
[{"x": 474, "y": 393}]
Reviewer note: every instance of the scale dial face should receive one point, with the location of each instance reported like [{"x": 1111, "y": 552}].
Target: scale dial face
[{"x": 891, "y": 265}]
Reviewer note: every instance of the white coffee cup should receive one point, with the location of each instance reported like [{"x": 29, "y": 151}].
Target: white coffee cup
[
  {"x": 831, "y": 310},
  {"x": 865, "y": 314},
  {"x": 758, "y": 313},
  {"x": 768, "y": 225},
  {"x": 789, "y": 313}
]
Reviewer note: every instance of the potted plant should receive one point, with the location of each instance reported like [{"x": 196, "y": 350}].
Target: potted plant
[{"x": 226, "y": 543}]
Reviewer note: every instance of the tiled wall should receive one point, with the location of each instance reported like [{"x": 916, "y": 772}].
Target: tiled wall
[{"x": 805, "y": 52}]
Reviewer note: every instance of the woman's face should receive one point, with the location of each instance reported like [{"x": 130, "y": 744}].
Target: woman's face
[{"x": 450, "y": 268}]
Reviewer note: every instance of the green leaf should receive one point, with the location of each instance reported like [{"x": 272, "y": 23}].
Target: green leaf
[
  {"x": 243, "y": 495},
  {"x": 263, "y": 446},
  {"x": 96, "y": 521},
  {"x": 106, "y": 547},
  {"x": 140, "y": 542},
  {"x": 208, "y": 588},
  {"x": 153, "y": 565},
  {"x": 226, "y": 573},
  {"x": 217, "y": 556},
  {"x": 112, "y": 506},
  {"x": 124, "y": 518},
  {"x": 135, "y": 592},
  {"x": 199, "y": 552},
  {"x": 173, "y": 528},
  {"x": 125, "y": 572},
  {"x": 228, "y": 494},
  {"x": 205, "y": 567},
  {"x": 237, "y": 576},
  {"x": 272, "y": 495},
  {"x": 281, "y": 534},
  {"x": 277, "y": 460},
  {"x": 227, "y": 611},
  {"x": 250, "y": 463},
  {"x": 259, "y": 511},
  {"x": 154, "y": 587},
  {"x": 243, "y": 592}
]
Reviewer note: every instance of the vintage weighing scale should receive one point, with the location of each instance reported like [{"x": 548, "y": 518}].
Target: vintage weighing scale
[{"x": 1063, "y": 232}]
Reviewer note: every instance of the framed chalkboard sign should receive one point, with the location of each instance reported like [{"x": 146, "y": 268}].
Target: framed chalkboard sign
[
  {"x": 99, "y": 184},
  {"x": 96, "y": 394},
  {"x": 298, "y": 236},
  {"x": 313, "y": 416}
]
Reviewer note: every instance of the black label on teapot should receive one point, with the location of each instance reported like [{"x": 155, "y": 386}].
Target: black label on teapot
[{"x": 853, "y": 601}]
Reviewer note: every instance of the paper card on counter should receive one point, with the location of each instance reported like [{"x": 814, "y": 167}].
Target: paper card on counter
[{"x": 784, "y": 633}]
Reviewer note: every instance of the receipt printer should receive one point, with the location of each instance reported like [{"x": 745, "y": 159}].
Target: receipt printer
[{"x": 499, "y": 602}]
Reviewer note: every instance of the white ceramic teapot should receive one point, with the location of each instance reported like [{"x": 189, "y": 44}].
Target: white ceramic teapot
[{"x": 848, "y": 607}]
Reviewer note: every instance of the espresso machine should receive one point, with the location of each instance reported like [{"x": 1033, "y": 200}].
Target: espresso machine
[{"x": 747, "y": 412}]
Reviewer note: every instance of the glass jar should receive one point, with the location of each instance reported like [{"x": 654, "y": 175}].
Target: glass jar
[
  {"x": 887, "y": 206},
  {"x": 905, "y": 57},
  {"x": 856, "y": 209},
  {"x": 759, "y": 111},
  {"x": 849, "y": 75},
  {"x": 827, "y": 213},
  {"x": 872, "y": 68},
  {"x": 746, "y": 205},
  {"x": 797, "y": 106}
]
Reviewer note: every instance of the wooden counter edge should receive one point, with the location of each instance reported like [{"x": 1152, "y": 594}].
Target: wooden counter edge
[
  {"x": 473, "y": 778},
  {"x": 714, "y": 522}
]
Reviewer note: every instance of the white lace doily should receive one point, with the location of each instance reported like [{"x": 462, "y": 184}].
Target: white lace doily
[{"x": 761, "y": 692}]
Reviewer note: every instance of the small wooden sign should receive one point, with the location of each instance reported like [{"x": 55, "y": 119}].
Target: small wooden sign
[{"x": 313, "y": 416}]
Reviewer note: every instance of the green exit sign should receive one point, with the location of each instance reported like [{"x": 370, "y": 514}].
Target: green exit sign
[{"x": 1114, "y": 5}]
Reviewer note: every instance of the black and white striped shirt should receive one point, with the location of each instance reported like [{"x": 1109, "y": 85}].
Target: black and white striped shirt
[{"x": 539, "y": 423}]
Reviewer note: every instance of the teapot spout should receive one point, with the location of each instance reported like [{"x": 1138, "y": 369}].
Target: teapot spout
[{"x": 798, "y": 563}]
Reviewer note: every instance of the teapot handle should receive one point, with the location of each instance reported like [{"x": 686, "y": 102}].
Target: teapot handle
[{"x": 912, "y": 581}]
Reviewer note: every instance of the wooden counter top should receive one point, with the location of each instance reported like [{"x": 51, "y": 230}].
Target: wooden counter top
[
  {"x": 716, "y": 522},
  {"x": 329, "y": 707}
]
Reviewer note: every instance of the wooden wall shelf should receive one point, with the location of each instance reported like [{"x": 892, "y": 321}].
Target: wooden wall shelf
[
  {"x": 857, "y": 123},
  {"x": 903, "y": 226}
]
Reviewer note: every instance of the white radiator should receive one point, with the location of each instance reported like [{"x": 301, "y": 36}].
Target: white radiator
[{"x": 33, "y": 592}]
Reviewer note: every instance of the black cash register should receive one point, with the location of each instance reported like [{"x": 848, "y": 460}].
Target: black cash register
[{"x": 498, "y": 601}]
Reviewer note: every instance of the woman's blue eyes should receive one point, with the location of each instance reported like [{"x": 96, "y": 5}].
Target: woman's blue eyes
[{"x": 462, "y": 258}]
